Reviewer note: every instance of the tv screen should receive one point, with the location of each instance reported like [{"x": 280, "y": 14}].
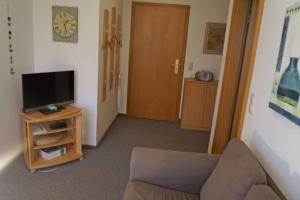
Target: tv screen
[{"x": 42, "y": 89}]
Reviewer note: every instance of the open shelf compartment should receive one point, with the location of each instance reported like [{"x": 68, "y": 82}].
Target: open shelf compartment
[
  {"x": 68, "y": 138},
  {"x": 70, "y": 127},
  {"x": 43, "y": 163}
]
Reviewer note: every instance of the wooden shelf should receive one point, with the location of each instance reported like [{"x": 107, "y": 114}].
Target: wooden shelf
[
  {"x": 70, "y": 127},
  {"x": 42, "y": 163},
  {"x": 67, "y": 139}
]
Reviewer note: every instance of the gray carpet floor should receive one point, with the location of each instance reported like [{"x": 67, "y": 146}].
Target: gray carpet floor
[{"x": 103, "y": 174}]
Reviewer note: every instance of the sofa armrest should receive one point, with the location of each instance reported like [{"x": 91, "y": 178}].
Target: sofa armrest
[
  {"x": 183, "y": 171},
  {"x": 261, "y": 192}
]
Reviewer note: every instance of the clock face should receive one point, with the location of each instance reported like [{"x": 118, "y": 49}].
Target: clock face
[{"x": 64, "y": 24}]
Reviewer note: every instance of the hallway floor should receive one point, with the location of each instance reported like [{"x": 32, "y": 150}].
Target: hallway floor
[{"x": 103, "y": 174}]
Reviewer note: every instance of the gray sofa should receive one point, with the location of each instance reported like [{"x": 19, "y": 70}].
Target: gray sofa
[{"x": 172, "y": 175}]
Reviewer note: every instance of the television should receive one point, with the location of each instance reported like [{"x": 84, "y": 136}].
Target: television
[{"x": 43, "y": 89}]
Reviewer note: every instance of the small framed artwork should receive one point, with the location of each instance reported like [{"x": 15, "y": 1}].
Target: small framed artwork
[
  {"x": 214, "y": 38},
  {"x": 65, "y": 24}
]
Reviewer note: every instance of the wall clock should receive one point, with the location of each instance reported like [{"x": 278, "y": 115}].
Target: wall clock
[{"x": 65, "y": 24}]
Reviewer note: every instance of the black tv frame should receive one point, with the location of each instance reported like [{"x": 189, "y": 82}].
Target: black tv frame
[{"x": 45, "y": 108}]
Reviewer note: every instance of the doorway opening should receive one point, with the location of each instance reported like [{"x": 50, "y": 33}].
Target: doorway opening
[
  {"x": 241, "y": 51},
  {"x": 145, "y": 87}
]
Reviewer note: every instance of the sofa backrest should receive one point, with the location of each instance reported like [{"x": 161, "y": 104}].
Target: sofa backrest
[{"x": 237, "y": 171}]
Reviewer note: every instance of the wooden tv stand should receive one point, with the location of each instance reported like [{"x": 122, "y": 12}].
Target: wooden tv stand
[{"x": 71, "y": 136}]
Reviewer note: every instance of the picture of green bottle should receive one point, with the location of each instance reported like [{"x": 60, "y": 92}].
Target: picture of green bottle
[{"x": 289, "y": 86}]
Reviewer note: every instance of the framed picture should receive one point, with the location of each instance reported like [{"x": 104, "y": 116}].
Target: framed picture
[
  {"x": 214, "y": 38},
  {"x": 65, "y": 24},
  {"x": 285, "y": 95}
]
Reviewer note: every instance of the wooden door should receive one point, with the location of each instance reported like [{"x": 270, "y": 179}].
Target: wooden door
[
  {"x": 231, "y": 77},
  {"x": 158, "y": 39},
  {"x": 241, "y": 51},
  {"x": 246, "y": 72}
]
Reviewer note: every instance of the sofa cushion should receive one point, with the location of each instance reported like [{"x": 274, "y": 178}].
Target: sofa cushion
[
  {"x": 137, "y": 190},
  {"x": 261, "y": 192},
  {"x": 234, "y": 175}
]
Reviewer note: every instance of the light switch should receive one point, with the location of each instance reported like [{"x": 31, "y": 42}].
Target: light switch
[
  {"x": 191, "y": 66},
  {"x": 252, "y": 104}
]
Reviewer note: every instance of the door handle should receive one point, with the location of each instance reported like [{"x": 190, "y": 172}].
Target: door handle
[{"x": 176, "y": 66}]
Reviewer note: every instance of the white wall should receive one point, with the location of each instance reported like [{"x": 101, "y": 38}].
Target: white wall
[
  {"x": 11, "y": 143},
  {"x": 108, "y": 110},
  {"x": 202, "y": 11},
  {"x": 272, "y": 137},
  {"x": 81, "y": 57}
]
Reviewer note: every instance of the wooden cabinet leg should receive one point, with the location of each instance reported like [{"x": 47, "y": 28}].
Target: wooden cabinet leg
[{"x": 78, "y": 134}]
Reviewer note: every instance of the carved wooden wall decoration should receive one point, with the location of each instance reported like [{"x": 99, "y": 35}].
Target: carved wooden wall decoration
[
  {"x": 118, "y": 52},
  {"x": 111, "y": 50},
  {"x": 112, "y": 47},
  {"x": 105, "y": 48}
]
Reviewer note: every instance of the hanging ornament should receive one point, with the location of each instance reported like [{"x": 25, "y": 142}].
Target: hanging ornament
[{"x": 10, "y": 46}]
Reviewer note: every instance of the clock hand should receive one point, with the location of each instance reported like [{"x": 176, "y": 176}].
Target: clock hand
[
  {"x": 65, "y": 23},
  {"x": 65, "y": 29}
]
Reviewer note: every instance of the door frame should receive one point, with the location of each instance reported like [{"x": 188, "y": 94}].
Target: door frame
[
  {"x": 184, "y": 45},
  {"x": 221, "y": 137}
]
